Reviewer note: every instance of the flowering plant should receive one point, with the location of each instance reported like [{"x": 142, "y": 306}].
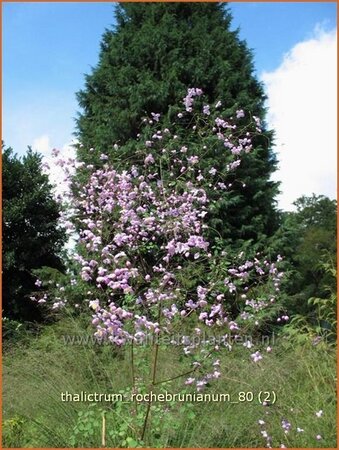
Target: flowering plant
[{"x": 145, "y": 248}]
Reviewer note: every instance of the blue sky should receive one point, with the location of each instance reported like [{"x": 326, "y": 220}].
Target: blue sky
[
  {"x": 273, "y": 28},
  {"x": 48, "y": 47}
]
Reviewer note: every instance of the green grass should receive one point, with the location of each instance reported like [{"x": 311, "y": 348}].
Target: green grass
[{"x": 35, "y": 374}]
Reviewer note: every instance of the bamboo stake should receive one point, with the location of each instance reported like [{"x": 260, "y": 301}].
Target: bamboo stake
[{"x": 103, "y": 431}]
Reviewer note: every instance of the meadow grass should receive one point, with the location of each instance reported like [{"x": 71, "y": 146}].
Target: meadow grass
[{"x": 38, "y": 371}]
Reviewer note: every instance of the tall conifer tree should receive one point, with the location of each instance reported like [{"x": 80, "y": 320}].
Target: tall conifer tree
[{"x": 147, "y": 61}]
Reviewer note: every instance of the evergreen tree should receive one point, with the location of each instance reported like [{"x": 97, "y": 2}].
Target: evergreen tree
[
  {"x": 147, "y": 62},
  {"x": 31, "y": 237},
  {"x": 307, "y": 239}
]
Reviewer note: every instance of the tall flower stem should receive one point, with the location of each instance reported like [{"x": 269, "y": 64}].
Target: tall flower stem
[
  {"x": 154, "y": 372},
  {"x": 133, "y": 376}
]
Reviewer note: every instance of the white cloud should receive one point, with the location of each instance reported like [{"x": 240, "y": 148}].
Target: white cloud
[
  {"x": 41, "y": 144},
  {"x": 55, "y": 172},
  {"x": 302, "y": 94}
]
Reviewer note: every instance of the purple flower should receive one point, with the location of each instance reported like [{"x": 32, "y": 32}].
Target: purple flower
[
  {"x": 156, "y": 117},
  {"x": 206, "y": 110},
  {"x": 256, "y": 356},
  {"x": 193, "y": 160},
  {"x": 149, "y": 159},
  {"x": 286, "y": 425}
]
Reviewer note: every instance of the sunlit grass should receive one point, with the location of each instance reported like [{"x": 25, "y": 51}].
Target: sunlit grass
[{"x": 35, "y": 375}]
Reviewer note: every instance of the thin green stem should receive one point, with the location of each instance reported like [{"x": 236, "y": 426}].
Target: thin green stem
[
  {"x": 174, "y": 378},
  {"x": 154, "y": 372},
  {"x": 133, "y": 376}
]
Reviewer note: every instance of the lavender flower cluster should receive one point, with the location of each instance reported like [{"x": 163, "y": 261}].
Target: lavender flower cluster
[{"x": 141, "y": 227}]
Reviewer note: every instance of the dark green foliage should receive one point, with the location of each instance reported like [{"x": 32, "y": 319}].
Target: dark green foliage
[
  {"x": 31, "y": 237},
  {"x": 155, "y": 52},
  {"x": 307, "y": 239},
  {"x": 147, "y": 62}
]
